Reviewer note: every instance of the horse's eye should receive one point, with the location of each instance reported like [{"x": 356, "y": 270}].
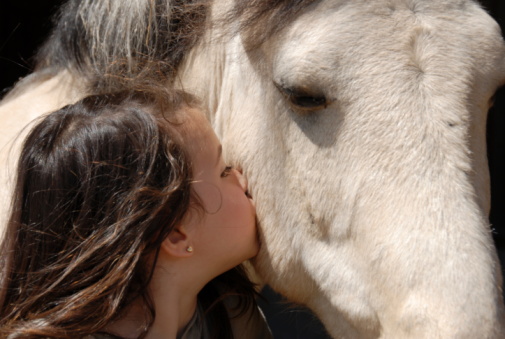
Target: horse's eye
[{"x": 303, "y": 99}]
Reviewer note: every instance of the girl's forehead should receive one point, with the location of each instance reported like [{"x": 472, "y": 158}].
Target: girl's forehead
[{"x": 193, "y": 120}]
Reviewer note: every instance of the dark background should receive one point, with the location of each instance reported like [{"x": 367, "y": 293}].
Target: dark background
[{"x": 24, "y": 24}]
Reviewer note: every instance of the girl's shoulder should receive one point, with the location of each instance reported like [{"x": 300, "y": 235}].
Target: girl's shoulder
[{"x": 248, "y": 325}]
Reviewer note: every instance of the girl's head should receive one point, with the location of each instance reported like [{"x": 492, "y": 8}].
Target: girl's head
[
  {"x": 103, "y": 186},
  {"x": 225, "y": 233}
]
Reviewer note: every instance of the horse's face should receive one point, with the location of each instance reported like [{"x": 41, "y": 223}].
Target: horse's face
[{"x": 361, "y": 127}]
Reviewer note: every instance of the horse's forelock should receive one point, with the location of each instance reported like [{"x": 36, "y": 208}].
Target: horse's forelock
[
  {"x": 107, "y": 40},
  {"x": 260, "y": 19},
  {"x": 119, "y": 38}
]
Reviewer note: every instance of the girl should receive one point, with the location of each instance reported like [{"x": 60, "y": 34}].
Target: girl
[{"x": 126, "y": 223}]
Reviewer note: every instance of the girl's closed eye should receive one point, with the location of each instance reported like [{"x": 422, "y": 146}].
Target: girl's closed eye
[{"x": 226, "y": 171}]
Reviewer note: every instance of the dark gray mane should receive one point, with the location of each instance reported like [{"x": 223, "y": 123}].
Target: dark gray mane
[
  {"x": 103, "y": 39},
  {"x": 106, "y": 40}
]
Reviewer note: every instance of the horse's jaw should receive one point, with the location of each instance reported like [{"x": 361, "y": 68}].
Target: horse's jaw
[
  {"x": 389, "y": 272},
  {"x": 381, "y": 289}
]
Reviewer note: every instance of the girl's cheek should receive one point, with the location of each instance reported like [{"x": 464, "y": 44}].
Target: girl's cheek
[{"x": 210, "y": 196}]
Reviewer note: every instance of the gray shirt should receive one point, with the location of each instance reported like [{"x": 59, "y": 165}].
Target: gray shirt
[{"x": 251, "y": 325}]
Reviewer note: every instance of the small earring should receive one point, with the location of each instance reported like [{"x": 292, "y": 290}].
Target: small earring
[{"x": 189, "y": 249}]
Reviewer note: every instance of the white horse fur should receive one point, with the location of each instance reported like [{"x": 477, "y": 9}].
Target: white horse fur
[{"x": 373, "y": 200}]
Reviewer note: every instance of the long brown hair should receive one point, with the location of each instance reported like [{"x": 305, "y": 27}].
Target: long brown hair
[{"x": 100, "y": 185}]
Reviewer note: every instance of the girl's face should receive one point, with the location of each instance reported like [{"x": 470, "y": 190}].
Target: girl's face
[{"x": 226, "y": 230}]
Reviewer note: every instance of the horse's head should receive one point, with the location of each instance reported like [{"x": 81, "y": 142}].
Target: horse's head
[{"x": 361, "y": 127}]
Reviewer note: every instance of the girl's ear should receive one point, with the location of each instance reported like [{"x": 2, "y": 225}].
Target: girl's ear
[{"x": 177, "y": 243}]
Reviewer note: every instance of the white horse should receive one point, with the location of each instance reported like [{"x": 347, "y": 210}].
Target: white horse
[{"x": 361, "y": 128}]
